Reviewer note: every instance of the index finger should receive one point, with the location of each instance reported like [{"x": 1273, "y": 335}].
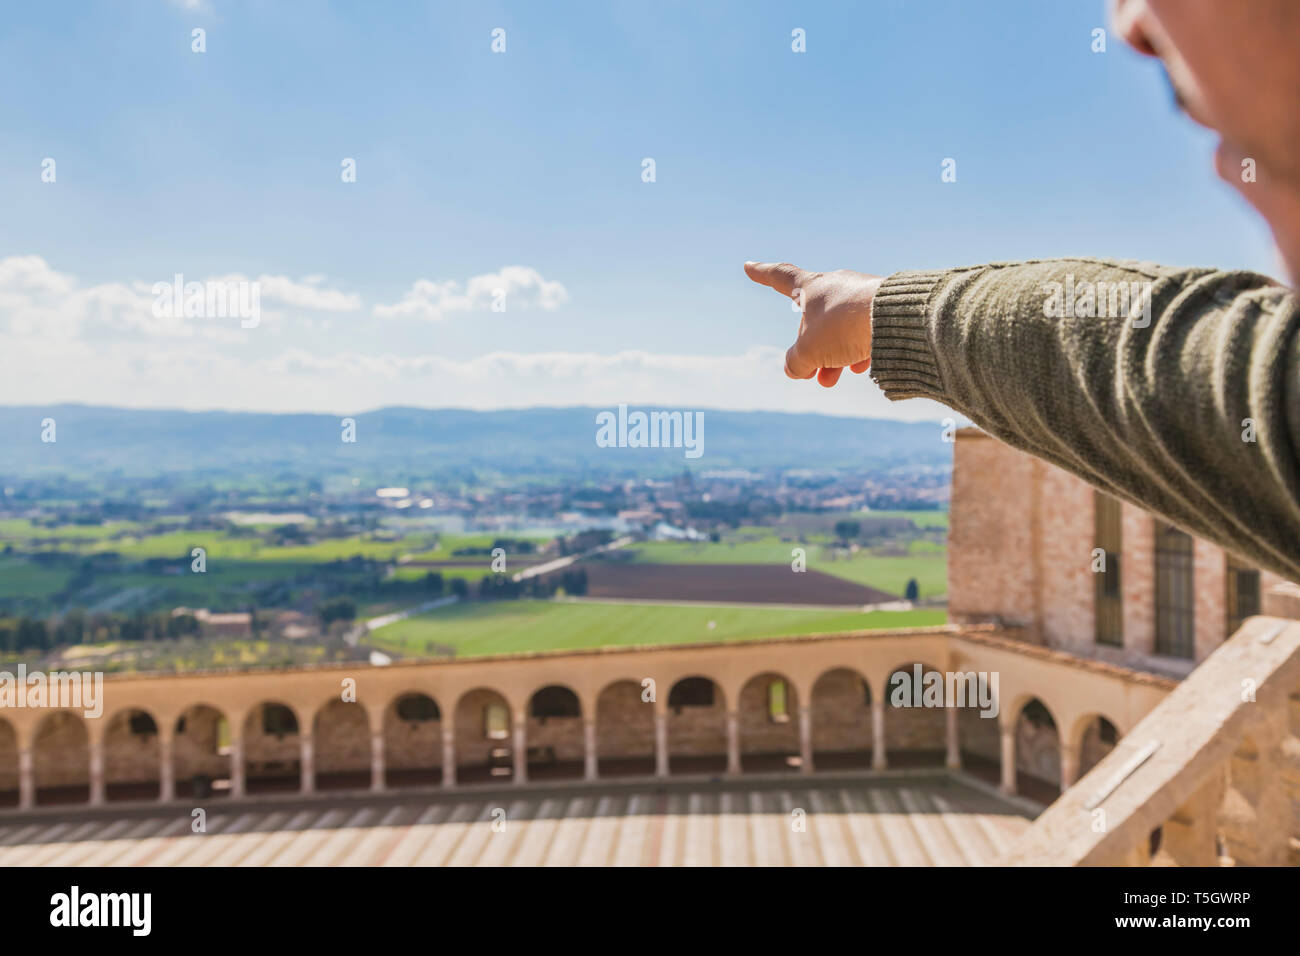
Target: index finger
[{"x": 781, "y": 276}]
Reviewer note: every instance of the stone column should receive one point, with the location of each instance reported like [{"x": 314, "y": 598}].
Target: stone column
[
  {"x": 589, "y": 764},
  {"x": 377, "y": 781},
  {"x": 1008, "y": 735},
  {"x": 449, "y": 756},
  {"x": 521, "y": 748},
  {"x": 237, "y": 768},
  {"x": 661, "y": 745},
  {"x": 878, "y": 759},
  {"x": 733, "y": 742},
  {"x": 951, "y": 716},
  {"x": 1069, "y": 766},
  {"x": 96, "y": 773},
  {"x": 26, "y": 779},
  {"x": 166, "y": 770},
  {"x": 805, "y": 740},
  {"x": 307, "y": 763}
]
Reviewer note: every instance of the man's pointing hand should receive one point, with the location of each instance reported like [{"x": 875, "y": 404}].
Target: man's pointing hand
[{"x": 835, "y": 329}]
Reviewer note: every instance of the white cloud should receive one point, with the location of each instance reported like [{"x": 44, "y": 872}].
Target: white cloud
[
  {"x": 102, "y": 344},
  {"x": 515, "y": 286},
  {"x": 37, "y": 300}
]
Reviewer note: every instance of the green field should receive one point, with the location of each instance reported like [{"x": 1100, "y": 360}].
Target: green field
[
  {"x": 20, "y": 578},
  {"x": 925, "y": 561},
  {"x": 507, "y": 627}
]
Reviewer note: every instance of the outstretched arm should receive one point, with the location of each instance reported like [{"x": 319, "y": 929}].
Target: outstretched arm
[{"x": 1176, "y": 389}]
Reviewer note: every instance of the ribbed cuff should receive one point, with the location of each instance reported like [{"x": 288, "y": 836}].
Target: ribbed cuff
[{"x": 902, "y": 351}]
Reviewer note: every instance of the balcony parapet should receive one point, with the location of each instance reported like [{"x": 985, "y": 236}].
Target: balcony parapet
[{"x": 1210, "y": 776}]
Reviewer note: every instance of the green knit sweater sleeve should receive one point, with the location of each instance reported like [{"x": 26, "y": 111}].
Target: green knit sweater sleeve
[{"x": 1176, "y": 389}]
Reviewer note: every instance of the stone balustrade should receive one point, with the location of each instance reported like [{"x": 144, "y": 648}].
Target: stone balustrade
[
  {"x": 1209, "y": 776},
  {"x": 784, "y": 704}
]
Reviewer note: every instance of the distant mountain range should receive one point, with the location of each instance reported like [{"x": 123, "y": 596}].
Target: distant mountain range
[{"x": 94, "y": 440}]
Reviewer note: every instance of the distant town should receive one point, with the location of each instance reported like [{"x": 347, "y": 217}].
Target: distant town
[{"x": 192, "y": 572}]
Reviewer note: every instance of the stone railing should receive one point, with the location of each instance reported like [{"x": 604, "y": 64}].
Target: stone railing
[{"x": 1210, "y": 776}]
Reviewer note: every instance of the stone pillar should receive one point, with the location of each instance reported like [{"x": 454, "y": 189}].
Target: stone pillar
[
  {"x": 1009, "y": 761},
  {"x": 237, "y": 768},
  {"x": 878, "y": 759},
  {"x": 26, "y": 779},
  {"x": 951, "y": 715},
  {"x": 589, "y": 764},
  {"x": 96, "y": 773},
  {"x": 661, "y": 745},
  {"x": 1069, "y": 766},
  {"x": 1189, "y": 836},
  {"x": 521, "y": 748},
  {"x": 166, "y": 770},
  {"x": 377, "y": 781},
  {"x": 449, "y": 756},
  {"x": 307, "y": 763},
  {"x": 805, "y": 740},
  {"x": 733, "y": 742}
]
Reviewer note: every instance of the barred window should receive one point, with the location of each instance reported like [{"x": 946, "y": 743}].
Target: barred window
[
  {"x": 1175, "y": 617},
  {"x": 1243, "y": 593},
  {"x": 1108, "y": 604}
]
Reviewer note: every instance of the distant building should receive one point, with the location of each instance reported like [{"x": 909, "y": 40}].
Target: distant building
[{"x": 231, "y": 624}]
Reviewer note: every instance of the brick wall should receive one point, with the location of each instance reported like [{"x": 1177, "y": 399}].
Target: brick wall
[
  {"x": 759, "y": 733},
  {"x": 62, "y": 753},
  {"x": 472, "y": 744},
  {"x": 698, "y": 731},
  {"x": 269, "y": 755},
  {"x": 990, "y": 549},
  {"x": 625, "y": 724},
  {"x": 8, "y": 757},
  {"x": 341, "y": 739},
  {"x": 195, "y": 751},
  {"x": 841, "y": 713},
  {"x": 1020, "y": 551},
  {"x": 128, "y": 757}
]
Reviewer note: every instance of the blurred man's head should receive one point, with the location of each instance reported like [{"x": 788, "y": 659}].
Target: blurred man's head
[{"x": 1235, "y": 67}]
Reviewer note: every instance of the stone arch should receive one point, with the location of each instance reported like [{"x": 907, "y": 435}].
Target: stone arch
[
  {"x": 1038, "y": 751},
  {"x": 341, "y": 746},
  {"x": 978, "y": 730},
  {"x": 412, "y": 740},
  {"x": 272, "y": 748},
  {"x": 915, "y": 719},
  {"x": 9, "y": 789},
  {"x": 61, "y": 759},
  {"x": 484, "y": 726},
  {"x": 132, "y": 756},
  {"x": 202, "y": 752},
  {"x": 768, "y": 708},
  {"x": 555, "y": 733},
  {"x": 1095, "y": 736},
  {"x": 841, "y": 720},
  {"x": 697, "y": 726},
  {"x": 625, "y": 730}
]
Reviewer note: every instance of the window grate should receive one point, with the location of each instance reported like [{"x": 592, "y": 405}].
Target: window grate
[
  {"x": 1108, "y": 604},
  {"x": 1175, "y": 616}
]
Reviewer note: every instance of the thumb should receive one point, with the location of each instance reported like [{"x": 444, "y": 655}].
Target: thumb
[{"x": 781, "y": 276}]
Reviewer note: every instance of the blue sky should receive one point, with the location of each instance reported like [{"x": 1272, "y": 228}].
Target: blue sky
[{"x": 227, "y": 163}]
